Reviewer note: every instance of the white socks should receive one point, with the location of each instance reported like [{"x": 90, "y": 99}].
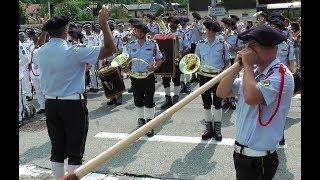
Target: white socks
[
  {"x": 57, "y": 170},
  {"x": 140, "y": 112},
  {"x": 208, "y": 115},
  {"x": 217, "y": 114},
  {"x": 176, "y": 90},
  {"x": 167, "y": 91},
  {"x": 149, "y": 113}
]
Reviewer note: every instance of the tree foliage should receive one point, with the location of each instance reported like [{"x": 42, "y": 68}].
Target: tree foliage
[
  {"x": 119, "y": 13},
  {"x": 23, "y": 17}
]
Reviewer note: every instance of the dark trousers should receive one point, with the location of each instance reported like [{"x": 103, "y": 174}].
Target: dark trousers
[
  {"x": 207, "y": 100},
  {"x": 67, "y": 123},
  {"x": 143, "y": 91},
  {"x": 175, "y": 79},
  {"x": 254, "y": 168}
]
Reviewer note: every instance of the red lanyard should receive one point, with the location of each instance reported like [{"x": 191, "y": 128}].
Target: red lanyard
[{"x": 282, "y": 71}]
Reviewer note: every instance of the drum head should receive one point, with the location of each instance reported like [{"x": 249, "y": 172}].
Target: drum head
[
  {"x": 187, "y": 58},
  {"x": 104, "y": 70},
  {"x": 120, "y": 59}
]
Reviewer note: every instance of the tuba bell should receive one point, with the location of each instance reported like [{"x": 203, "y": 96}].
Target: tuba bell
[{"x": 189, "y": 64}]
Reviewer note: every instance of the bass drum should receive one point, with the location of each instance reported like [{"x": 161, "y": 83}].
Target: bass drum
[{"x": 111, "y": 80}]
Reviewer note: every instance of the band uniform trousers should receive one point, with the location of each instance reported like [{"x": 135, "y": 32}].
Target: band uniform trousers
[
  {"x": 40, "y": 96},
  {"x": 67, "y": 122},
  {"x": 143, "y": 91},
  {"x": 253, "y": 168},
  {"x": 175, "y": 78},
  {"x": 206, "y": 96}
]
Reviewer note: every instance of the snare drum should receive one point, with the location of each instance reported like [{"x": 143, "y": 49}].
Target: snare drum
[{"x": 112, "y": 81}]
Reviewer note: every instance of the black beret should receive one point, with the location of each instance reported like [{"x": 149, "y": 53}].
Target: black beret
[
  {"x": 196, "y": 16},
  {"x": 228, "y": 21},
  {"x": 72, "y": 25},
  {"x": 141, "y": 26},
  {"x": 207, "y": 18},
  {"x": 174, "y": 20},
  {"x": 151, "y": 16},
  {"x": 134, "y": 21},
  {"x": 295, "y": 26},
  {"x": 29, "y": 31},
  {"x": 277, "y": 15},
  {"x": 86, "y": 24},
  {"x": 214, "y": 26},
  {"x": 264, "y": 35},
  {"x": 234, "y": 17},
  {"x": 55, "y": 23},
  {"x": 279, "y": 24}
]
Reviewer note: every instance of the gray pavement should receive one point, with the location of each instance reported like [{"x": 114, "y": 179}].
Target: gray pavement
[{"x": 155, "y": 159}]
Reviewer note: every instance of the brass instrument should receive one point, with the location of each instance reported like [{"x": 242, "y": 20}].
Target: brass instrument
[
  {"x": 163, "y": 27},
  {"x": 260, "y": 19},
  {"x": 123, "y": 61},
  {"x": 189, "y": 64}
]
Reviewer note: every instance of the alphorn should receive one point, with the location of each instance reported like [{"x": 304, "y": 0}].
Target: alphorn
[{"x": 113, "y": 150}]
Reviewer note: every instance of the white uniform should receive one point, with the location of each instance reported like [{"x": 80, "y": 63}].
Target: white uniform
[
  {"x": 35, "y": 77},
  {"x": 94, "y": 40},
  {"x": 26, "y": 83},
  {"x": 285, "y": 53},
  {"x": 23, "y": 60}
]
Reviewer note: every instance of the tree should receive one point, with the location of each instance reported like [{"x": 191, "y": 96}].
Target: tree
[
  {"x": 68, "y": 8},
  {"x": 119, "y": 13},
  {"x": 23, "y": 17}
]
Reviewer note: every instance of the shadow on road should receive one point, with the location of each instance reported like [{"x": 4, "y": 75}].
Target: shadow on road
[
  {"x": 196, "y": 163},
  {"x": 283, "y": 172},
  {"x": 291, "y": 121},
  {"x": 226, "y": 117},
  {"x": 123, "y": 158},
  {"x": 33, "y": 153}
]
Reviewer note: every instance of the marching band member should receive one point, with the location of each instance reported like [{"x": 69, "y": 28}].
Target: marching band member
[
  {"x": 197, "y": 32},
  {"x": 231, "y": 38},
  {"x": 185, "y": 78},
  {"x": 23, "y": 61},
  {"x": 62, "y": 68},
  {"x": 144, "y": 89},
  {"x": 26, "y": 81},
  {"x": 153, "y": 26},
  {"x": 239, "y": 24},
  {"x": 261, "y": 18},
  {"x": 214, "y": 56},
  {"x": 34, "y": 72},
  {"x": 260, "y": 119},
  {"x": 119, "y": 48},
  {"x": 183, "y": 47},
  {"x": 93, "y": 40}
]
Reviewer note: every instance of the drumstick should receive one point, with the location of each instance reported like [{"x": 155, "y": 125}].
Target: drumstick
[{"x": 109, "y": 153}]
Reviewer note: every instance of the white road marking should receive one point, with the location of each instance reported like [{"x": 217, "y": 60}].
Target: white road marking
[{"x": 174, "y": 139}]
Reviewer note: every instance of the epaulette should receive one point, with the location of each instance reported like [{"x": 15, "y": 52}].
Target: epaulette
[{"x": 132, "y": 42}]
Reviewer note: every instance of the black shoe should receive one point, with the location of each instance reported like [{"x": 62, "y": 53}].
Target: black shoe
[
  {"x": 91, "y": 89},
  {"x": 282, "y": 142},
  {"x": 217, "y": 131},
  {"x": 167, "y": 103},
  {"x": 112, "y": 101},
  {"x": 41, "y": 111},
  {"x": 150, "y": 133},
  {"x": 130, "y": 90},
  {"x": 29, "y": 98},
  {"x": 141, "y": 122},
  {"x": 225, "y": 103},
  {"x": 119, "y": 100},
  {"x": 175, "y": 99},
  {"x": 208, "y": 133},
  {"x": 233, "y": 104},
  {"x": 183, "y": 88},
  {"x": 188, "y": 90},
  {"x": 95, "y": 90}
]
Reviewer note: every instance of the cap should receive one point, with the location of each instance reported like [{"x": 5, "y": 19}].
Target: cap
[
  {"x": 235, "y": 18},
  {"x": 120, "y": 23},
  {"x": 196, "y": 16},
  {"x": 207, "y": 18},
  {"x": 183, "y": 20},
  {"x": 142, "y": 27},
  {"x": 228, "y": 21},
  {"x": 215, "y": 26},
  {"x": 277, "y": 22},
  {"x": 134, "y": 21},
  {"x": 86, "y": 24},
  {"x": 264, "y": 35},
  {"x": 260, "y": 13},
  {"x": 277, "y": 15},
  {"x": 151, "y": 16},
  {"x": 174, "y": 20},
  {"x": 55, "y": 23},
  {"x": 29, "y": 31},
  {"x": 21, "y": 33}
]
